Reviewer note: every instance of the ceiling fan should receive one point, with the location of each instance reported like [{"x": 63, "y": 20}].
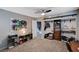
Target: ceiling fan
[{"x": 43, "y": 11}]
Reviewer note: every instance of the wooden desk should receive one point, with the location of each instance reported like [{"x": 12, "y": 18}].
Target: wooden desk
[{"x": 74, "y": 46}]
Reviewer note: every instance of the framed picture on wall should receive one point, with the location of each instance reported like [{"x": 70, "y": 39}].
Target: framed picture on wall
[{"x": 18, "y": 24}]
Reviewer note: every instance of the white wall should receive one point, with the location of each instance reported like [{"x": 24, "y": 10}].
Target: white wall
[
  {"x": 67, "y": 23},
  {"x": 75, "y": 23},
  {"x": 6, "y": 27},
  {"x": 78, "y": 25},
  {"x": 34, "y": 30}
]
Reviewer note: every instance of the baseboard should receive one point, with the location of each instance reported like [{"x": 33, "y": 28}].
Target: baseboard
[{"x": 3, "y": 48}]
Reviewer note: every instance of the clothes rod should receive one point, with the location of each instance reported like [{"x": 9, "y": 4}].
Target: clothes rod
[{"x": 62, "y": 16}]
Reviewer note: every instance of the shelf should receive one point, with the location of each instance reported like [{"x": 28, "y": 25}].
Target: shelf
[{"x": 74, "y": 32}]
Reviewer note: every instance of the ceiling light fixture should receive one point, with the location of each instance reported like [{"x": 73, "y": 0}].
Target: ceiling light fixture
[
  {"x": 52, "y": 10},
  {"x": 43, "y": 14}
]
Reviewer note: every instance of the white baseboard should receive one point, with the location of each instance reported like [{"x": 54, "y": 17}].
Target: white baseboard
[{"x": 3, "y": 48}]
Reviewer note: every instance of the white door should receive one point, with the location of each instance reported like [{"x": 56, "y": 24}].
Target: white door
[{"x": 36, "y": 29}]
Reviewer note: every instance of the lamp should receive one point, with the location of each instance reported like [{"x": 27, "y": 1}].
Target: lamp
[{"x": 22, "y": 31}]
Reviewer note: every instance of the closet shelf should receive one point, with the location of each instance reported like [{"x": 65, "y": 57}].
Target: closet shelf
[{"x": 74, "y": 32}]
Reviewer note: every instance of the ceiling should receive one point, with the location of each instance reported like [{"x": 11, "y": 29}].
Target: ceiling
[{"x": 31, "y": 11}]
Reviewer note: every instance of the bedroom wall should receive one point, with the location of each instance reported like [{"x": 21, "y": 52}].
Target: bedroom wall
[
  {"x": 78, "y": 25},
  {"x": 68, "y": 23},
  {"x": 5, "y": 25}
]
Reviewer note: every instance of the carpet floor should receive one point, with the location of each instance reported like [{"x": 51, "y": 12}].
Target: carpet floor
[{"x": 40, "y": 45}]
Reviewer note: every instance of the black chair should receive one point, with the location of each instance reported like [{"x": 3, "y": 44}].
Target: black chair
[
  {"x": 64, "y": 38},
  {"x": 71, "y": 39}
]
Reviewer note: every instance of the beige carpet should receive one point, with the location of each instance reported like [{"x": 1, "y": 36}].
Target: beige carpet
[{"x": 40, "y": 45}]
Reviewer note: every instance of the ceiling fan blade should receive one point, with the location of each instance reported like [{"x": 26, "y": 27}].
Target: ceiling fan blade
[
  {"x": 48, "y": 11},
  {"x": 43, "y": 11}
]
